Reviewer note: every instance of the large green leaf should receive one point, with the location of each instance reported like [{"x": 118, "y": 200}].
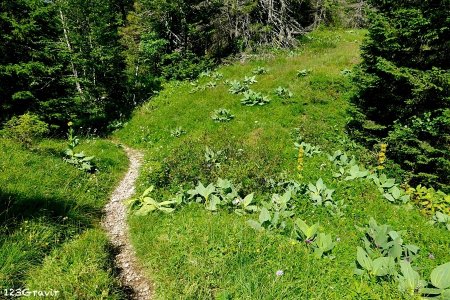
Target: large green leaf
[
  {"x": 145, "y": 209},
  {"x": 363, "y": 259},
  {"x": 212, "y": 203},
  {"x": 248, "y": 199},
  {"x": 383, "y": 266},
  {"x": 410, "y": 279},
  {"x": 148, "y": 191},
  {"x": 264, "y": 215},
  {"x": 308, "y": 231},
  {"x": 440, "y": 276}
]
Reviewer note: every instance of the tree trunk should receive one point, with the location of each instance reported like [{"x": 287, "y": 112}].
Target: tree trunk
[{"x": 69, "y": 47}]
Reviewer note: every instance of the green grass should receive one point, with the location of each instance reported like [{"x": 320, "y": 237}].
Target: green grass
[
  {"x": 80, "y": 269},
  {"x": 45, "y": 203},
  {"x": 194, "y": 254}
]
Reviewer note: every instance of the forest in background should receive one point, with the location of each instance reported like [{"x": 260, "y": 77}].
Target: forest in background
[{"x": 91, "y": 62}]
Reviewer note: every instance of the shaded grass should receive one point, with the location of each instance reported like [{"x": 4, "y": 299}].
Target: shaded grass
[
  {"x": 80, "y": 269},
  {"x": 45, "y": 202},
  {"x": 193, "y": 254}
]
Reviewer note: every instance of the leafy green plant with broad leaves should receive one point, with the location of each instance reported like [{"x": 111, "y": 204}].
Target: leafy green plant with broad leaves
[
  {"x": 217, "y": 75},
  {"x": 383, "y": 240},
  {"x": 78, "y": 159},
  {"x": 319, "y": 193},
  {"x": 196, "y": 87},
  {"x": 440, "y": 279},
  {"x": 214, "y": 158},
  {"x": 206, "y": 73},
  {"x": 226, "y": 190},
  {"x": 321, "y": 243},
  {"x": 281, "y": 203},
  {"x": 274, "y": 213},
  {"x": 356, "y": 172},
  {"x": 144, "y": 204},
  {"x": 380, "y": 266},
  {"x": 222, "y": 194},
  {"x": 177, "y": 132},
  {"x": 304, "y": 232},
  {"x": 283, "y": 92},
  {"x": 222, "y": 115},
  {"x": 206, "y": 195},
  {"x": 236, "y": 87},
  {"x": 341, "y": 159},
  {"x": 252, "y": 98},
  {"x": 267, "y": 220},
  {"x": 308, "y": 149},
  {"x": 249, "y": 80},
  {"x": 410, "y": 282},
  {"x": 244, "y": 206},
  {"x": 211, "y": 84},
  {"x": 440, "y": 218},
  {"x": 396, "y": 195},
  {"x": 382, "y": 182},
  {"x": 389, "y": 188},
  {"x": 324, "y": 244},
  {"x": 384, "y": 248},
  {"x": 303, "y": 72},
  {"x": 259, "y": 70},
  {"x": 339, "y": 173}
]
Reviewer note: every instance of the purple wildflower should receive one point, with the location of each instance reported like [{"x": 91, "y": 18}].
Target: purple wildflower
[
  {"x": 279, "y": 273},
  {"x": 431, "y": 256},
  {"x": 308, "y": 241}
]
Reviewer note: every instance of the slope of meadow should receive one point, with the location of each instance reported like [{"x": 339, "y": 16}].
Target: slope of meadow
[{"x": 196, "y": 254}]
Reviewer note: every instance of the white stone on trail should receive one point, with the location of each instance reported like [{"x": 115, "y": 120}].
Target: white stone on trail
[{"x": 115, "y": 223}]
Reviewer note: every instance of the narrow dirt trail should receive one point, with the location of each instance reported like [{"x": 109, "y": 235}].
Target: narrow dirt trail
[{"x": 115, "y": 223}]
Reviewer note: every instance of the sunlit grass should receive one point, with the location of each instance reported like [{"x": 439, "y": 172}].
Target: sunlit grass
[{"x": 193, "y": 254}]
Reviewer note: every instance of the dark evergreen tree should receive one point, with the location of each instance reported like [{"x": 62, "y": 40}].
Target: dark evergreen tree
[
  {"x": 31, "y": 69},
  {"x": 404, "y": 87},
  {"x": 63, "y": 60}
]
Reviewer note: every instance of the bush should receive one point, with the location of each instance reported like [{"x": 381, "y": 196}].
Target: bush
[
  {"x": 25, "y": 129},
  {"x": 180, "y": 66},
  {"x": 403, "y": 88}
]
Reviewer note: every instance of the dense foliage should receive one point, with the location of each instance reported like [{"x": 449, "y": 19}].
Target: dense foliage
[
  {"x": 62, "y": 60},
  {"x": 404, "y": 87},
  {"x": 93, "y": 61}
]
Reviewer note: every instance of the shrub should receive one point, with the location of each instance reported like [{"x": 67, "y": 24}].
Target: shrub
[{"x": 25, "y": 129}]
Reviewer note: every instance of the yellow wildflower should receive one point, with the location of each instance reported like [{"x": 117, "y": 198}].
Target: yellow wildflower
[
  {"x": 301, "y": 153},
  {"x": 382, "y": 156}
]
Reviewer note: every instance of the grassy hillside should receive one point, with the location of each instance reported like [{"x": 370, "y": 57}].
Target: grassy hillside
[
  {"x": 48, "y": 209},
  {"x": 196, "y": 254}
]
